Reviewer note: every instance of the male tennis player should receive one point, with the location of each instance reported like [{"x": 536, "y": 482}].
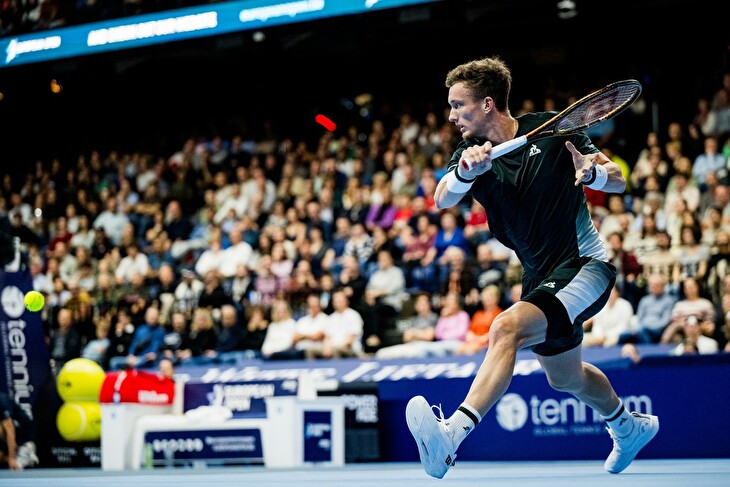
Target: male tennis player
[{"x": 536, "y": 206}]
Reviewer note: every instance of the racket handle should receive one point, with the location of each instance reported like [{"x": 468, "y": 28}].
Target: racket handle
[{"x": 509, "y": 146}]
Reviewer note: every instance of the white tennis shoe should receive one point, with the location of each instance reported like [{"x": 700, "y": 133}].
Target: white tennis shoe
[
  {"x": 433, "y": 436},
  {"x": 26, "y": 456},
  {"x": 626, "y": 448}
]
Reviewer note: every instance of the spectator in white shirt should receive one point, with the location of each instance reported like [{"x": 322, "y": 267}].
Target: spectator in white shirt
[
  {"x": 343, "y": 332},
  {"x": 310, "y": 328},
  {"x": 605, "y": 327},
  {"x": 135, "y": 262},
  {"x": 235, "y": 201},
  {"x": 212, "y": 258},
  {"x": 238, "y": 253},
  {"x": 112, "y": 221}
]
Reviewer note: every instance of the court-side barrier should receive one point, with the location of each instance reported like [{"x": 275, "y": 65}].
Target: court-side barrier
[
  {"x": 533, "y": 422},
  {"x": 293, "y": 413},
  {"x": 277, "y": 423}
]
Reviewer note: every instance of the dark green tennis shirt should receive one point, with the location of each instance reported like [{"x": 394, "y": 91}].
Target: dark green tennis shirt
[{"x": 533, "y": 206}]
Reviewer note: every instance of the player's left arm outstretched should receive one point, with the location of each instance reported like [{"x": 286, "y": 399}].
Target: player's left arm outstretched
[{"x": 597, "y": 171}]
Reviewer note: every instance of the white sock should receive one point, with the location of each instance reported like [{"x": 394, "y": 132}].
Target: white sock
[
  {"x": 620, "y": 420},
  {"x": 463, "y": 421}
]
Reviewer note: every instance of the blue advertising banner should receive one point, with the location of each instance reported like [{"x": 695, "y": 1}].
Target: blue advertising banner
[
  {"x": 244, "y": 399},
  {"x": 24, "y": 359},
  {"x": 176, "y": 25},
  {"x": 226, "y": 445},
  {"x": 532, "y": 421},
  {"x": 317, "y": 436}
]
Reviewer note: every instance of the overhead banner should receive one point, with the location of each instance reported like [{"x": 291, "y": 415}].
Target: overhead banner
[
  {"x": 177, "y": 25},
  {"x": 23, "y": 351}
]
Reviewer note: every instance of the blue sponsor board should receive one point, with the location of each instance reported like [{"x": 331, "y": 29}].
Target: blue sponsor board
[
  {"x": 24, "y": 358},
  {"x": 532, "y": 421},
  {"x": 172, "y": 448},
  {"x": 317, "y": 436},
  {"x": 244, "y": 399}
]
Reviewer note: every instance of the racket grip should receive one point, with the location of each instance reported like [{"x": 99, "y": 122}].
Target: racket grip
[{"x": 509, "y": 146}]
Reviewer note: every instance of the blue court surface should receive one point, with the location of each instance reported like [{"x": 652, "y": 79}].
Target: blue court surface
[{"x": 660, "y": 473}]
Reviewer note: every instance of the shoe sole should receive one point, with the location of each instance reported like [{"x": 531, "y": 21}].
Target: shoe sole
[
  {"x": 652, "y": 433},
  {"x": 418, "y": 407}
]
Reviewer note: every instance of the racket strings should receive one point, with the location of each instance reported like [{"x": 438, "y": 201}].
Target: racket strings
[{"x": 600, "y": 106}]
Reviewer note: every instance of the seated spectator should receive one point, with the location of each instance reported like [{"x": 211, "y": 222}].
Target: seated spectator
[
  {"x": 451, "y": 327},
  {"x": 418, "y": 253},
  {"x": 176, "y": 338},
  {"x": 662, "y": 260},
  {"x": 238, "y": 253},
  {"x": 300, "y": 284},
  {"x": 266, "y": 284},
  {"x": 146, "y": 343},
  {"x": 476, "y": 227},
  {"x": 212, "y": 258},
  {"x": 135, "y": 262},
  {"x": 214, "y": 295},
  {"x": 450, "y": 234},
  {"x": 694, "y": 342},
  {"x": 693, "y": 304},
  {"x": 135, "y": 295},
  {"x": 239, "y": 286},
  {"x": 120, "y": 336},
  {"x": 188, "y": 291},
  {"x": 343, "y": 332},
  {"x": 352, "y": 281},
  {"x": 158, "y": 255},
  {"x": 692, "y": 254},
  {"x": 606, "y": 326},
  {"x": 384, "y": 296},
  {"x": 96, "y": 349},
  {"x": 627, "y": 269},
  {"x": 201, "y": 339},
  {"x": 255, "y": 332},
  {"x": 309, "y": 329},
  {"x": 477, "y": 336},
  {"x": 653, "y": 313},
  {"x": 65, "y": 342},
  {"x": 230, "y": 337},
  {"x": 360, "y": 244},
  {"x": 486, "y": 271},
  {"x": 280, "y": 332},
  {"x": 455, "y": 274},
  {"x": 420, "y": 330}
]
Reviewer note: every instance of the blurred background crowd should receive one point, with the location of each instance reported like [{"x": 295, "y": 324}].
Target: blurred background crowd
[
  {"x": 260, "y": 239},
  {"x": 230, "y": 249}
]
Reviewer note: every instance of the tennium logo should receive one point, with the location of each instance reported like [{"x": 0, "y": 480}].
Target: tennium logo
[{"x": 558, "y": 417}]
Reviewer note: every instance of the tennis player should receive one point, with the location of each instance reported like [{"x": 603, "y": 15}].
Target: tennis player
[{"x": 536, "y": 206}]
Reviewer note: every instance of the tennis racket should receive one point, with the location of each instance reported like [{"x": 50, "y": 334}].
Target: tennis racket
[{"x": 590, "y": 110}]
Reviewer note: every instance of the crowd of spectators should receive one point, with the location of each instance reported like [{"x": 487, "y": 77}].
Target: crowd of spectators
[{"x": 229, "y": 250}]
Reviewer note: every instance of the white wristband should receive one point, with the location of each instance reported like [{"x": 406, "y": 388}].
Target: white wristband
[
  {"x": 454, "y": 185},
  {"x": 601, "y": 178}
]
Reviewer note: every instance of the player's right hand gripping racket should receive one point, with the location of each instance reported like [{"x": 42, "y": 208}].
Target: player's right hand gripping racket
[{"x": 588, "y": 111}]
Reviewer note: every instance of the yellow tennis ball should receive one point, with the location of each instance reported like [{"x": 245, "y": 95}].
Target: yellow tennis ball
[
  {"x": 79, "y": 421},
  {"x": 34, "y": 300},
  {"x": 80, "y": 379}
]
